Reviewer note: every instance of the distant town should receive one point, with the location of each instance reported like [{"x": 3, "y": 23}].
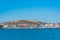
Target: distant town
[{"x": 28, "y": 24}]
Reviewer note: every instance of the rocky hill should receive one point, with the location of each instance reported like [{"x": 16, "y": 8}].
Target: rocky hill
[{"x": 28, "y": 24}]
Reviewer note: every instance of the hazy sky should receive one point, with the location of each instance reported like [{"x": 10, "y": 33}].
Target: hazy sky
[{"x": 44, "y": 10}]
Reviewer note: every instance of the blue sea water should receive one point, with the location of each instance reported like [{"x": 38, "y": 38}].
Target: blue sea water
[{"x": 30, "y": 34}]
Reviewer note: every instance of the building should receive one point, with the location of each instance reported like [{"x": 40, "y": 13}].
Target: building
[
  {"x": 27, "y": 23},
  {"x": 57, "y": 25},
  {"x": 9, "y": 25},
  {"x": 49, "y": 25}
]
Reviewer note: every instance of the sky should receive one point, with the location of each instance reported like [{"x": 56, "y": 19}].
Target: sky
[{"x": 43, "y": 10}]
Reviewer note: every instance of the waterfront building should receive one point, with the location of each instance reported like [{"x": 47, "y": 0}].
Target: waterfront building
[
  {"x": 57, "y": 25},
  {"x": 49, "y": 25},
  {"x": 9, "y": 25}
]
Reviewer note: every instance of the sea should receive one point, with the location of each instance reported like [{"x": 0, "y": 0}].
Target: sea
[{"x": 30, "y": 34}]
